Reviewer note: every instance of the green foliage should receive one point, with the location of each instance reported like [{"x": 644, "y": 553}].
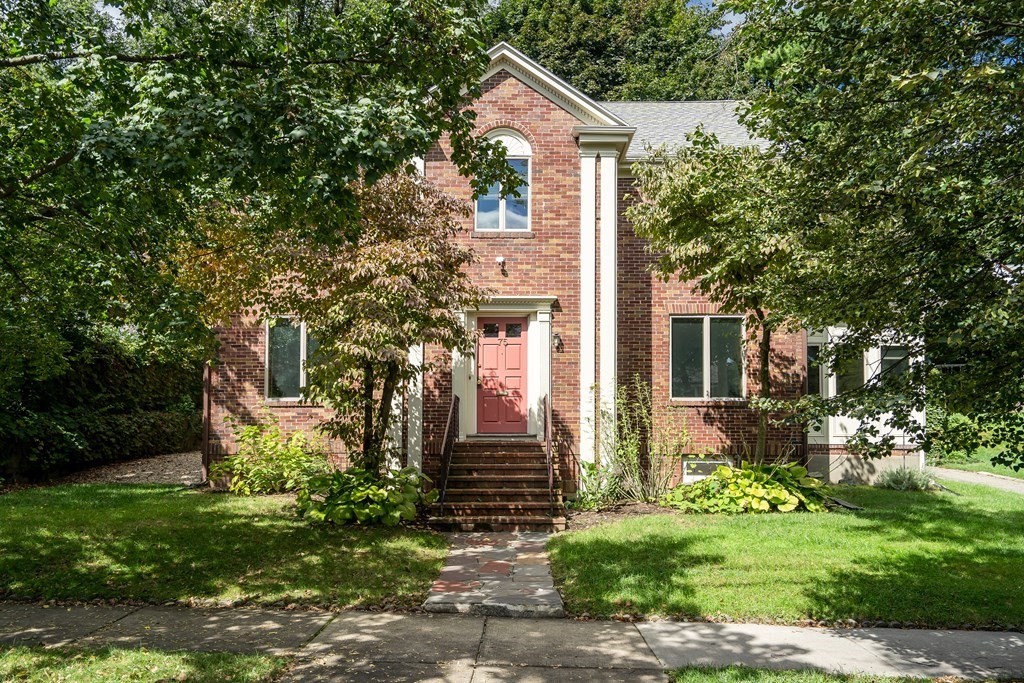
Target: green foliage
[
  {"x": 627, "y": 49},
  {"x": 750, "y": 488},
  {"x": 952, "y": 437},
  {"x": 644, "y": 460},
  {"x": 114, "y": 398},
  {"x": 896, "y": 130},
  {"x": 123, "y": 138},
  {"x": 362, "y": 497},
  {"x": 267, "y": 462},
  {"x": 906, "y": 479},
  {"x": 401, "y": 283}
]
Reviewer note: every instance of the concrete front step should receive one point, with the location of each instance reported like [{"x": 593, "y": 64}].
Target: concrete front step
[
  {"x": 498, "y": 523},
  {"x": 504, "y": 507},
  {"x": 499, "y": 481},
  {"x": 496, "y": 469},
  {"x": 498, "y": 495}
]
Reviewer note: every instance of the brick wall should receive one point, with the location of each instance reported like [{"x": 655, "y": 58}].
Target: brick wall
[
  {"x": 646, "y": 304},
  {"x": 544, "y": 262},
  {"x": 238, "y": 388}
]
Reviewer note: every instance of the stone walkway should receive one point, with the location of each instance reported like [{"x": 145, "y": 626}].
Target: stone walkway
[
  {"x": 383, "y": 646},
  {"x": 984, "y": 478},
  {"x": 497, "y": 574}
]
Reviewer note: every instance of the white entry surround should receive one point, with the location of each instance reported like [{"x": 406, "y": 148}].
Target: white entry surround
[{"x": 537, "y": 310}]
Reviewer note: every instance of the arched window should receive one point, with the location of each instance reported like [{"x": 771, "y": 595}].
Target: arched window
[{"x": 510, "y": 213}]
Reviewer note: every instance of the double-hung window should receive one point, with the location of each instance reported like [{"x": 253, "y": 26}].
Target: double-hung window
[
  {"x": 288, "y": 348},
  {"x": 510, "y": 213},
  {"x": 707, "y": 357}
]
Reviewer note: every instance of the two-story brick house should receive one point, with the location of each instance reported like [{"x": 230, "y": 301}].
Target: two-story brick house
[{"x": 576, "y": 310}]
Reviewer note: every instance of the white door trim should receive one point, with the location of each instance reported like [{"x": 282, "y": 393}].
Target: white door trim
[{"x": 537, "y": 311}]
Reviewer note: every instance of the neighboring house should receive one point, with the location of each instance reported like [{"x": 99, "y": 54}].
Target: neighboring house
[{"x": 576, "y": 309}]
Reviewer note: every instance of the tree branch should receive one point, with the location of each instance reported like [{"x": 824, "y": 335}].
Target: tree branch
[{"x": 62, "y": 160}]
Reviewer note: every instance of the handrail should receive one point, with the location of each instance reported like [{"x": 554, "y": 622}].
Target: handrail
[
  {"x": 547, "y": 454},
  {"x": 451, "y": 433}
]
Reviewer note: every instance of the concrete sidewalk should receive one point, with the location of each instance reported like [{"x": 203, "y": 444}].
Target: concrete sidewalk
[{"x": 380, "y": 646}]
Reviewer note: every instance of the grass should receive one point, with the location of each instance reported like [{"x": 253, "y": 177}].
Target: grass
[
  {"x": 164, "y": 543},
  {"x": 931, "y": 559},
  {"x": 742, "y": 674},
  {"x": 981, "y": 461},
  {"x": 109, "y": 665}
]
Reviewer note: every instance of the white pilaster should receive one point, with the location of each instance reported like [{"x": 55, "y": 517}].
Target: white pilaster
[
  {"x": 609, "y": 297},
  {"x": 588, "y": 301},
  {"x": 414, "y": 444}
]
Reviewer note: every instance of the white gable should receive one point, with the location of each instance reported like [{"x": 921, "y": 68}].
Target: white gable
[{"x": 504, "y": 57}]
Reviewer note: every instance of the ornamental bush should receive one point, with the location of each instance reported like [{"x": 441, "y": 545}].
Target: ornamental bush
[
  {"x": 906, "y": 479},
  {"x": 267, "y": 462},
  {"x": 361, "y": 497},
  {"x": 750, "y": 488}
]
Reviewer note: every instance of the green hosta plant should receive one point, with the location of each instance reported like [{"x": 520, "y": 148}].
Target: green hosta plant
[
  {"x": 750, "y": 488},
  {"x": 362, "y": 497},
  {"x": 268, "y": 462}
]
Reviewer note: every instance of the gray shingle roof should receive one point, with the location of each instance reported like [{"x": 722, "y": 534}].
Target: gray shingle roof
[{"x": 668, "y": 123}]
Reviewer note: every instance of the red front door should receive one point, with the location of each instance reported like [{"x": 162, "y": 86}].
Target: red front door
[{"x": 501, "y": 376}]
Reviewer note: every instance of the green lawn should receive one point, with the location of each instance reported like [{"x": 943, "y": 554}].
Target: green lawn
[
  {"x": 165, "y": 543},
  {"x": 982, "y": 462},
  {"x": 929, "y": 558},
  {"x": 741, "y": 674},
  {"x": 38, "y": 665}
]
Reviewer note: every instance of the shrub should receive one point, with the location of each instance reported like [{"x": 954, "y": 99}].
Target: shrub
[
  {"x": 905, "y": 479},
  {"x": 361, "y": 497},
  {"x": 952, "y": 437},
  {"x": 643, "y": 462},
  {"x": 750, "y": 488},
  {"x": 267, "y": 462}
]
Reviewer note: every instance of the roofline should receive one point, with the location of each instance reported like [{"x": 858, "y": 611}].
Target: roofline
[{"x": 599, "y": 114}]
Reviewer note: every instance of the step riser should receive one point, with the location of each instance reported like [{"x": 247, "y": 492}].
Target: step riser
[
  {"x": 499, "y": 447},
  {"x": 492, "y": 482},
  {"x": 504, "y": 471},
  {"x": 464, "y": 496},
  {"x": 494, "y": 508},
  {"x": 499, "y": 458}
]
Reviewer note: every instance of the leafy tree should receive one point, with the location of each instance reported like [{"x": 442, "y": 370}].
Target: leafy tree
[
  {"x": 627, "y": 49},
  {"x": 897, "y": 130},
  {"x": 401, "y": 282},
  {"x": 121, "y": 124},
  {"x": 708, "y": 219}
]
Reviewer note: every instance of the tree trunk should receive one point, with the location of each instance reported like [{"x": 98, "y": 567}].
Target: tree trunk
[
  {"x": 384, "y": 412},
  {"x": 765, "y": 347},
  {"x": 368, "y": 416}
]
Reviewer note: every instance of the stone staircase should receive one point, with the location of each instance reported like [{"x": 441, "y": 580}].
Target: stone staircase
[{"x": 499, "y": 485}]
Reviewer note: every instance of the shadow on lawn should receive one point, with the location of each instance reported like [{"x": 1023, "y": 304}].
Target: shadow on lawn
[
  {"x": 966, "y": 565},
  {"x": 162, "y": 543},
  {"x": 651, "y": 569}
]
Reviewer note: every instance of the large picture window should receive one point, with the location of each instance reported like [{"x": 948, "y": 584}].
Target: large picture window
[
  {"x": 288, "y": 348},
  {"x": 707, "y": 357},
  {"x": 511, "y": 213}
]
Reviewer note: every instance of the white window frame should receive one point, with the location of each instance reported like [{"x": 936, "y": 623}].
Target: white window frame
[
  {"x": 706, "y": 360},
  {"x": 525, "y": 153},
  {"x": 266, "y": 359}
]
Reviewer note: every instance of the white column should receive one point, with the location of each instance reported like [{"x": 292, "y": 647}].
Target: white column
[
  {"x": 540, "y": 357},
  {"x": 414, "y": 444},
  {"x": 609, "y": 297},
  {"x": 463, "y": 372},
  {"x": 588, "y": 301}
]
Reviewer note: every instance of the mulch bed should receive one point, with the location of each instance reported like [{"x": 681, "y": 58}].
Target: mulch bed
[
  {"x": 173, "y": 468},
  {"x": 586, "y": 519}
]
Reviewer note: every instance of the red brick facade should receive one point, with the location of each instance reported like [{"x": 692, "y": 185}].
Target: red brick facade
[{"x": 543, "y": 262}]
